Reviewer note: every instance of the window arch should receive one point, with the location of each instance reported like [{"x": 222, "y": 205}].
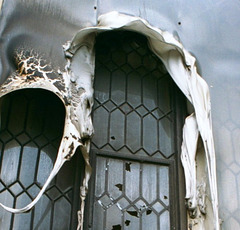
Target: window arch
[
  {"x": 134, "y": 150},
  {"x": 134, "y": 92},
  {"x": 32, "y": 123},
  {"x": 182, "y": 67}
]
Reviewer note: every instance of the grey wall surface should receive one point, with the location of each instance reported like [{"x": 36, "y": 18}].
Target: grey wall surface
[{"x": 208, "y": 29}]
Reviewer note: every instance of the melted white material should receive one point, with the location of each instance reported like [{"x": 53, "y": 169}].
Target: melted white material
[
  {"x": 188, "y": 156},
  {"x": 76, "y": 92},
  {"x": 181, "y": 65},
  {"x": 78, "y": 80}
]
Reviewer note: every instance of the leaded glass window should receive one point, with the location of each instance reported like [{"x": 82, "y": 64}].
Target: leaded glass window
[
  {"x": 31, "y": 130},
  {"x": 134, "y": 147},
  {"x": 134, "y": 151}
]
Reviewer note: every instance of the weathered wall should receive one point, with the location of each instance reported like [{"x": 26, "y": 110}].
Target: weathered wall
[{"x": 208, "y": 29}]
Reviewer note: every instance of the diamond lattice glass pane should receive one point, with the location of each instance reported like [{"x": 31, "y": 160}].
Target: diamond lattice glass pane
[
  {"x": 119, "y": 57},
  {"x": 102, "y": 85},
  {"x": 149, "y": 218},
  {"x": 1, "y": 186},
  {"x": 23, "y": 200},
  {"x": 165, "y": 221},
  {"x": 163, "y": 94},
  {"x": 131, "y": 219},
  {"x": 149, "y": 62},
  {"x": 100, "y": 176},
  {"x": 53, "y": 193},
  {"x": 115, "y": 178},
  {"x": 44, "y": 124},
  {"x": 133, "y": 132},
  {"x": 111, "y": 66},
  {"x": 113, "y": 218},
  {"x": 10, "y": 162},
  {"x": 5, "y": 217},
  {"x": 141, "y": 205},
  {"x": 62, "y": 214},
  {"x": 28, "y": 166},
  {"x": 132, "y": 180},
  {"x": 23, "y": 138},
  {"x": 134, "y": 89},
  {"x": 142, "y": 71},
  {"x": 158, "y": 207},
  {"x": 126, "y": 68},
  {"x": 42, "y": 214},
  {"x": 125, "y": 108},
  {"x": 150, "y": 92},
  {"x": 142, "y": 111},
  {"x": 70, "y": 195},
  {"x": 150, "y": 143},
  {"x": 117, "y": 129},
  {"x": 105, "y": 202},
  {"x": 5, "y": 136},
  {"x": 134, "y": 60},
  {"x": 118, "y": 87},
  {"x": 165, "y": 136},
  {"x": 51, "y": 151},
  {"x": 109, "y": 106},
  {"x": 96, "y": 104},
  {"x": 16, "y": 188},
  {"x": 23, "y": 220},
  {"x": 123, "y": 203},
  {"x": 33, "y": 190},
  {"x": 100, "y": 122},
  {"x": 44, "y": 167},
  {"x": 41, "y": 141},
  {"x": 149, "y": 182},
  {"x": 162, "y": 69},
  {"x": 163, "y": 174},
  {"x": 124, "y": 150},
  {"x": 98, "y": 220},
  {"x": 158, "y": 113},
  {"x": 134, "y": 128}
]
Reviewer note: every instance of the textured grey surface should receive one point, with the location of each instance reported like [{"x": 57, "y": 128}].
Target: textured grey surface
[{"x": 208, "y": 29}]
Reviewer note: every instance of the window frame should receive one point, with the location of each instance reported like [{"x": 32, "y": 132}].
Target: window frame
[{"x": 178, "y": 216}]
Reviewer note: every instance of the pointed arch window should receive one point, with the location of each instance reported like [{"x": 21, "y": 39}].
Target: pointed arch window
[
  {"x": 134, "y": 149},
  {"x": 31, "y": 130},
  {"x": 135, "y": 153}
]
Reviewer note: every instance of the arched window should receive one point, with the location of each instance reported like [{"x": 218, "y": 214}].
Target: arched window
[
  {"x": 31, "y": 130},
  {"x": 138, "y": 118},
  {"x": 135, "y": 152}
]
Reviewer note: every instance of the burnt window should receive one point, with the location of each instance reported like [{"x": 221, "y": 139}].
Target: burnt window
[
  {"x": 31, "y": 130},
  {"x": 134, "y": 153},
  {"x": 137, "y": 116}
]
